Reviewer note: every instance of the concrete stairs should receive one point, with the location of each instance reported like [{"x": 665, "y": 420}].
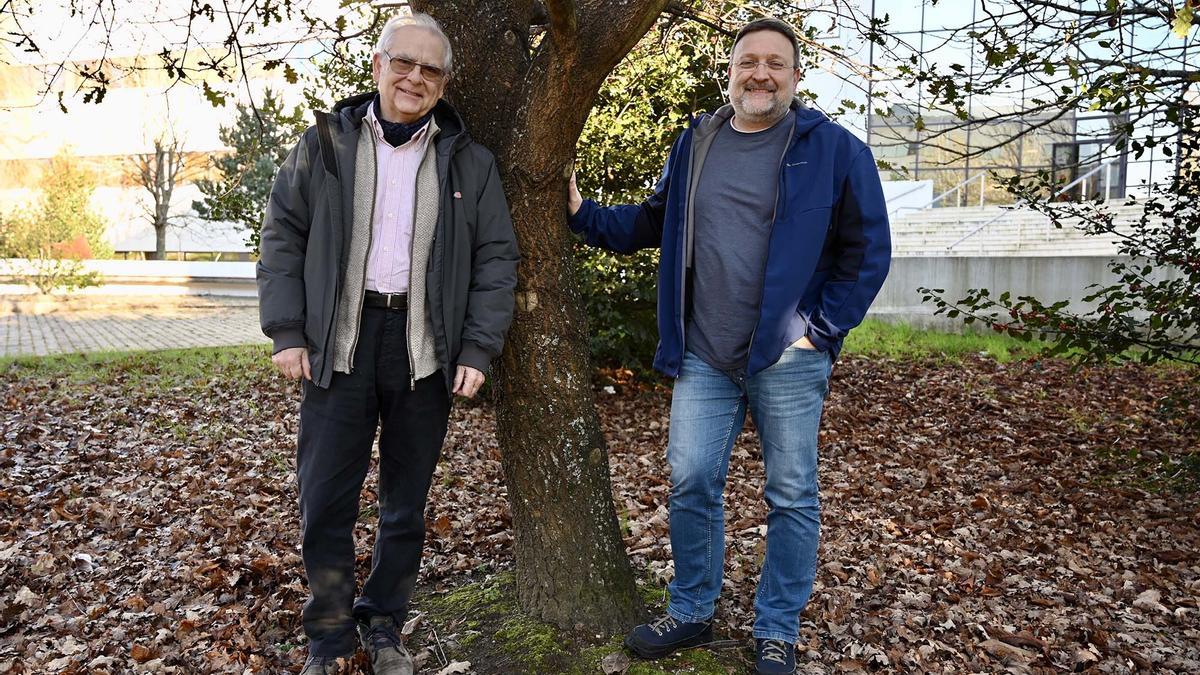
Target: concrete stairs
[{"x": 1017, "y": 232}]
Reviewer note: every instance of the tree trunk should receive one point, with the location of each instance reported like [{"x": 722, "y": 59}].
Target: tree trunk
[
  {"x": 571, "y": 562},
  {"x": 160, "y": 241},
  {"x": 528, "y": 104}
]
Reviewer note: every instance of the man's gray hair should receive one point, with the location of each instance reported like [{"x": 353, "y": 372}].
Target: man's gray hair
[
  {"x": 418, "y": 20},
  {"x": 776, "y": 26}
]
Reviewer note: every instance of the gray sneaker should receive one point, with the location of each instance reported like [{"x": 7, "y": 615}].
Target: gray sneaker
[
  {"x": 384, "y": 647},
  {"x": 327, "y": 665}
]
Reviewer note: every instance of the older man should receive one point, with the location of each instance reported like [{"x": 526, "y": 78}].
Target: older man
[
  {"x": 774, "y": 239},
  {"x": 386, "y": 283}
]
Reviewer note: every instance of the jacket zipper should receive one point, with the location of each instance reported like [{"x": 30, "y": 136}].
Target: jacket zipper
[
  {"x": 362, "y": 284},
  {"x": 430, "y": 143},
  {"x": 445, "y": 200},
  {"x": 687, "y": 225},
  {"x": 408, "y": 318},
  {"x": 337, "y": 293}
]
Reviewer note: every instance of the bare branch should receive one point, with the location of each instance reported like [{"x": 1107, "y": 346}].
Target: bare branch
[
  {"x": 1130, "y": 9},
  {"x": 678, "y": 9}
]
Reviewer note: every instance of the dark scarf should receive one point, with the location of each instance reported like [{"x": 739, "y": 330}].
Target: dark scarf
[{"x": 398, "y": 133}]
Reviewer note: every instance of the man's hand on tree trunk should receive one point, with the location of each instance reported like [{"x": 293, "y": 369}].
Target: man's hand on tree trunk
[{"x": 574, "y": 200}]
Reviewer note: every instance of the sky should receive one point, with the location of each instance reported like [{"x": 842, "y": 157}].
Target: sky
[
  {"x": 133, "y": 112},
  {"x": 138, "y": 27},
  {"x": 834, "y": 82},
  {"x": 148, "y": 26}
]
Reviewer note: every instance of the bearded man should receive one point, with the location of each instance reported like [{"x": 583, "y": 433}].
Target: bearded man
[{"x": 774, "y": 237}]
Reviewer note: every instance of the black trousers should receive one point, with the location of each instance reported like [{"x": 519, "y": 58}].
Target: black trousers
[{"x": 337, "y": 428}]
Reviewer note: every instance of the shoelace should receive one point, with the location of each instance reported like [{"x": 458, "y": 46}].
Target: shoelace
[
  {"x": 663, "y": 625},
  {"x": 382, "y": 637},
  {"x": 323, "y": 662},
  {"x": 775, "y": 650}
]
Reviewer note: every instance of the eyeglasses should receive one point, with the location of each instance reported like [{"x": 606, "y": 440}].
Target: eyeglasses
[
  {"x": 746, "y": 66},
  {"x": 403, "y": 66}
]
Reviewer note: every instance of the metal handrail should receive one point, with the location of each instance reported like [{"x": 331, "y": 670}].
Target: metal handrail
[
  {"x": 981, "y": 177},
  {"x": 905, "y": 194},
  {"x": 961, "y": 184},
  {"x": 956, "y": 188},
  {"x": 1107, "y": 164}
]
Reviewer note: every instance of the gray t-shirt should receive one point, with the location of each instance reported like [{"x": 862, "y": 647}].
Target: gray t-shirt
[{"x": 734, "y": 206}]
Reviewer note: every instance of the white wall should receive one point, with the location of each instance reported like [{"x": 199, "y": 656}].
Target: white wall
[
  {"x": 129, "y": 227},
  {"x": 1047, "y": 278}
]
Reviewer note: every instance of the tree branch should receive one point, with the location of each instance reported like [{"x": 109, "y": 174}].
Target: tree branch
[
  {"x": 678, "y": 9},
  {"x": 563, "y": 23},
  {"x": 1132, "y": 9}
]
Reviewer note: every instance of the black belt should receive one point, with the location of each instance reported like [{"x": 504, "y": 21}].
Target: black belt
[{"x": 386, "y": 300}]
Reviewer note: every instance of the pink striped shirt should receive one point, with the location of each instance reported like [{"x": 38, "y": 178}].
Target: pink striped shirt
[{"x": 395, "y": 200}]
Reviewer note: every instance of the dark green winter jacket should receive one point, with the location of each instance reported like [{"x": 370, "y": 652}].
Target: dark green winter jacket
[{"x": 306, "y": 232}]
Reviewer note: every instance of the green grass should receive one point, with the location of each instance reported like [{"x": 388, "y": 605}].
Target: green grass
[
  {"x": 492, "y": 630},
  {"x": 899, "y": 341},
  {"x": 1154, "y": 472},
  {"x": 168, "y": 368},
  {"x": 182, "y": 367}
]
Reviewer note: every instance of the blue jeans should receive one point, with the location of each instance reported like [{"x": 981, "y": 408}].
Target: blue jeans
[{"x": 708, "y": 410}]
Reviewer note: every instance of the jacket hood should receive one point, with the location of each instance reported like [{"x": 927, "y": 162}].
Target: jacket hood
[
  {"x": 354, "y": 109},
  {"x": 807, "y": 119}
]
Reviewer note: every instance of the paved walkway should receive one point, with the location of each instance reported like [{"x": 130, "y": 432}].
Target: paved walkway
[{"x": 128, "y": 325}]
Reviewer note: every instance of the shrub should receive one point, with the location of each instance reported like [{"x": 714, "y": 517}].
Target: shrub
[{"x": 50, "y": 238}]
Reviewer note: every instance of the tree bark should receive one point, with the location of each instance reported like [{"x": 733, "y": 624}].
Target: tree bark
[
  {"x": 528, "y": 103},
  {"x": 160, "y": 241}
]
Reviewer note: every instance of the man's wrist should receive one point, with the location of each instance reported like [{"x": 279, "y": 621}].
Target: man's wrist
[
  {"x": 286, "y": 339},
  {"x": 578, "y": 219},
  {"x": 474, "y": 356}
]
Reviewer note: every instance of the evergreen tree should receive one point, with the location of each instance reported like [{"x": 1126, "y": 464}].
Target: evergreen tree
[{"x": 259, "y": 140}]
